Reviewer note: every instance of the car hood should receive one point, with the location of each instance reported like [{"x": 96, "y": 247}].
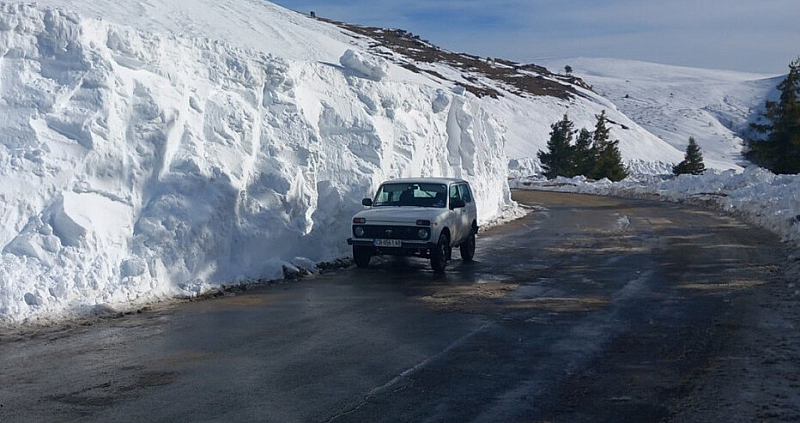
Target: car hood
[{"x": 406, "y": 215}]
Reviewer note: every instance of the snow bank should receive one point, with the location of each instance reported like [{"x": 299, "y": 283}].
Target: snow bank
[
  {"x": 373, "y": 68},
  {"x": 756, "y": 195},
  {"x": 139, "y": 166}
]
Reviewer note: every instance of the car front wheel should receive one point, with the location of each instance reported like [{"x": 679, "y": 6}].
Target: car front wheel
[
  {"x": 468, "y": 248},
  {"x": 440, "y": 253},
  {"x": 361, "y": 255}
]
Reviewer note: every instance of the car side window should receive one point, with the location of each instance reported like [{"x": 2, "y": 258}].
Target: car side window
[
  {"x": 454, "y": 194},
  {"x": 465, "y": 194}
]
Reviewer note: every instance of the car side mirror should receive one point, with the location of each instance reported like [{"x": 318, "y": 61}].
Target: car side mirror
[
  {"x": 457, "y": 204},
  {"x": 367, "y": 202}
]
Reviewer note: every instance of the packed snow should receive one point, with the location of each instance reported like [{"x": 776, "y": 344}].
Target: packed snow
[
  {"x": 373, "y": 68},
  {"x": 252, "y": 24}
]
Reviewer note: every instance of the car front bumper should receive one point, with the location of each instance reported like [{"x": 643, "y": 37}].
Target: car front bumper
[{"x": 406, "y": 244}]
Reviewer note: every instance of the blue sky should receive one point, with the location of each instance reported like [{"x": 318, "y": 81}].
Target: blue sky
[{"x": 745, "y": 35}]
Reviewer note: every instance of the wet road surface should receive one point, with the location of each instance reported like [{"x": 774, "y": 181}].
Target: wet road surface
[{"x": 589, "y": 309}]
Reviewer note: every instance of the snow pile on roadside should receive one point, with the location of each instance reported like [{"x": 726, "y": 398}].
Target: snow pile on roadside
[
  {"x": 139, "y": 166},
  {"x": 756, "y": 195},
  {"x": 510, "y": 213},
  {"x": 524, "y": 167}
]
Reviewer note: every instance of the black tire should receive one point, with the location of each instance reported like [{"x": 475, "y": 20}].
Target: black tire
[
  {"x": 440, "y": 253},
  {"x": 468, "y": 248},
  {"x": 361, "y": 255}
]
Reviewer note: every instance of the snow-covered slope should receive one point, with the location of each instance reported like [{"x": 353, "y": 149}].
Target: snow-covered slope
[
  {"x": 254, "y": 24},
  {"x": 157, "y": 148},
  {"x": 528, "y": 128},
  {"x": 528, "y": 100},
  {"x": 674, "y": 103}
]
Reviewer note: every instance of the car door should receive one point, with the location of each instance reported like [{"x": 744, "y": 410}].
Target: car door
[
  {"x": 468, "y": 214},
  {"x": 455, "y": 214}
]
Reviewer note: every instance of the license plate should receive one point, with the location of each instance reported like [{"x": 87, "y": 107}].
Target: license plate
[{"x": 396, "y": 243}]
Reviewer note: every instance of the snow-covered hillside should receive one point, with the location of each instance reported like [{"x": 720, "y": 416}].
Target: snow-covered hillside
[
  {"x": 525, "y": 98},
  {"x": 253, "y": 24},
  {"x": 674, "y": 103},
  {"x": 157, "y": 148}
]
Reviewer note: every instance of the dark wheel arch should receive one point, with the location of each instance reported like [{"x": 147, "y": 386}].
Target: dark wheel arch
[
  {"x": 362, "y": 256},
  {"x": 467, "y": 248}
]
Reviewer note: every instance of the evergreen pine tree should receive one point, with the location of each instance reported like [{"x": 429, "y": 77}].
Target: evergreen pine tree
[
  {"x": 780, "y": 152},
  {"x": 558, "y": 160},
  {"x": 609, "y": 159},
  {"x": 692, "y": 162},
  {"x": 585, "y": 153}
]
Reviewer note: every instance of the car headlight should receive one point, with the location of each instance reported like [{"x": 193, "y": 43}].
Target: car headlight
[
  {"x": 359, "y": 231},
  {"x": 423, "y": 233}
]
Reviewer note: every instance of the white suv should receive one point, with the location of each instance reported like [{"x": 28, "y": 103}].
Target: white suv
[{"x": 417, "y": 217}]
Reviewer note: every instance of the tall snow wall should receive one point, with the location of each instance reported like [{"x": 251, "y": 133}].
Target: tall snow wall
[{"x": 139, "y": 166}]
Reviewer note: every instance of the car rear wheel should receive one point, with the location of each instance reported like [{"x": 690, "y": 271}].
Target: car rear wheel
[
  {"x": 468, "y": 248},
  {"x": 440, "y": 253},
  {"x": 361, "y": 255}
]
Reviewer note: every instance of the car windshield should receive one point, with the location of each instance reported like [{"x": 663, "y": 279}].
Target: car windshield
[{"x": 411, "y": 194}]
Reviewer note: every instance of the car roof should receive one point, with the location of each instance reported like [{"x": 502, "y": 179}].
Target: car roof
[{"x": 444, "y": 181}]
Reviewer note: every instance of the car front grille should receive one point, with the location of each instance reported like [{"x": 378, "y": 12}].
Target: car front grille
[{"x": 391, "y": 232}]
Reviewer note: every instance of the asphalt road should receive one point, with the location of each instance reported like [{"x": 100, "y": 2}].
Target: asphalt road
[{"x": 590, "y": 309}]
